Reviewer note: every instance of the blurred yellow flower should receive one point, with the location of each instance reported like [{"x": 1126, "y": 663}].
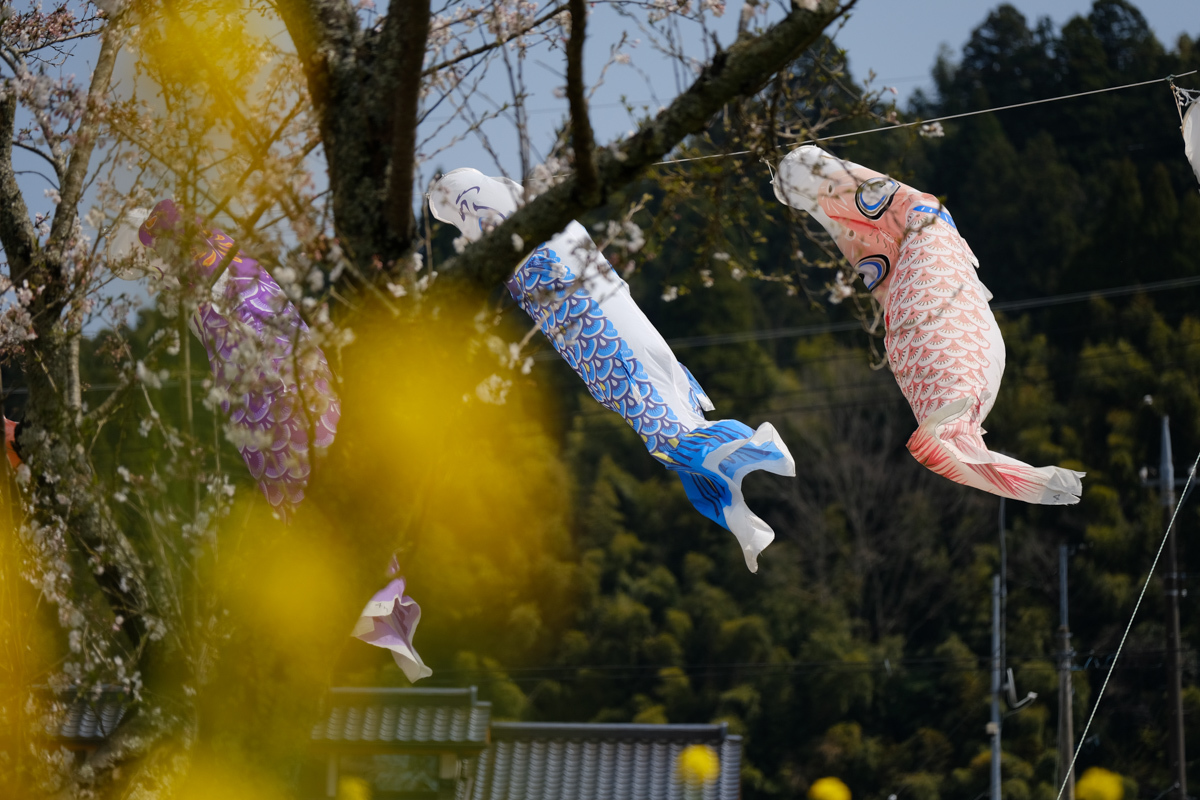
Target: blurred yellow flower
[
  {"x": 1100, "y": 784},
  {"x": 828, "y": 789},
  {"x": 698, "y": 764},
  {"x": 353, "y": 789}
]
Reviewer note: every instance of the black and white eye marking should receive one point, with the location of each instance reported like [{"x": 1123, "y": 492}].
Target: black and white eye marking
[
  {"x": 873, "y": 269},
  {"x": 874, "y": 196}
]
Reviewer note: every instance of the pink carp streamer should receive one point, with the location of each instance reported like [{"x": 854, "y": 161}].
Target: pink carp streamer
[
  {"x": 942, "y": 341},
  {"x": 276, "y": 382}
]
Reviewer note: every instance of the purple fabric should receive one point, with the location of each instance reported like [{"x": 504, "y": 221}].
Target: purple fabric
[
  {"x": 260, "y": 352},
  {"x": 390, "y": 621}
]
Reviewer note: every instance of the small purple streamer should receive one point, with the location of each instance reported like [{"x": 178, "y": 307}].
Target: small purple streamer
[{"x": 390, "y": 621}]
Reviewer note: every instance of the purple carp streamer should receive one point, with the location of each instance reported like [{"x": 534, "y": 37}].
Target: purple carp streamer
[
  {"x": 585, "y": 310},
  {"x": 272, "y": 380}
]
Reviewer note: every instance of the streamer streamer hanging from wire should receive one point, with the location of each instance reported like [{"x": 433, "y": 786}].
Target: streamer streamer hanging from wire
[
  {"x": 915, "y": 123},
  {"x": 1187, "y": 101}
]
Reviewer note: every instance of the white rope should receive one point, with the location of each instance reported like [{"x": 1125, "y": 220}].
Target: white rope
[
  {"x": 1183, "y": 97},
  {"x": 1083, "y": 738},
  {"x": 899, "y": 125}
]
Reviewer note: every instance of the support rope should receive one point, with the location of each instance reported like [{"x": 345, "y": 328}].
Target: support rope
[{"x": 1083, "y": 737}]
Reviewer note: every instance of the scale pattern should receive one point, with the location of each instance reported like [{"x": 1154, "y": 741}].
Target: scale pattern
[
  {"x": 550, "y": 293},
  {"x": 942, "y": 341},
  {"x": 572, "y": 319},
  {"x": 941, "y": 336},
  {"x": 261, "y": 354},
  {"x": 586, "y": 312},
  {"x": 946, "y": 352}
]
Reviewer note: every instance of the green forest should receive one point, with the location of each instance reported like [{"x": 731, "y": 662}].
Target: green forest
[{"x": 860, "y": 648}]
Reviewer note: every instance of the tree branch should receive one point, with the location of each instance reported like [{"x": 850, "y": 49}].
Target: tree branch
[
  {"x": 48, "y": 159},
  {"x": 738, "y": 72},
  {"x": 16, "y": 230},
  {"x": 321, "y": 30},
  {"x": 58, "y": 41},
  {"x": 405, "y": 34},
  {"x": 582, "y": 138},
  {"x": 85, "y": 139},
  {"x": 478, "y": 51}
]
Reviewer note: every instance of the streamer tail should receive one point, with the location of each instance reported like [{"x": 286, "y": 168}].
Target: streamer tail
[
  {"x": 950, "y": 443},
  {"x": 712, "y": 462}
]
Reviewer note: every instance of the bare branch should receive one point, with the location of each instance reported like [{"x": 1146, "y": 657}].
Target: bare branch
[
  {"x": 581, "y": 127},
  {"x": 737, "y": 72},
  {"x": 478, "y": 51},
  {"x": 405, "y": 32},
  {"x": 58, "y": 41},
  {"x": 49, "y": 160},
  {"x": 16, "y": 230},
  {"x": 85, "y": 138},
  {"x": 321, "y": 30}
]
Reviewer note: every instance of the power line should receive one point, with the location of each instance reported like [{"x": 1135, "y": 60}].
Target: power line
[
  {"x": 767, "y": 334},
  {"x": 972, "y": 663},
  {"x": 802, "y": 331},
  {"x": 946, "y": 118},
  {"x": 1171, "y": 524}
]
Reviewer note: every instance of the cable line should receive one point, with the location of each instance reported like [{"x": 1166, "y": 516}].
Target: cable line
[
  {"x": 1168, "y": 79},
  {"x": 1005, "y": 305},
  {"x": 1083, "y": 737},
  {"x": 766, "y": 334}
]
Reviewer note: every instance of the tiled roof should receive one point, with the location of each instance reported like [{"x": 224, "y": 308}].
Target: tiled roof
[
  {"x": 548, "y": 761},
  {"x": 413, "y": 717},
  {"x": 87, "y": 719}
]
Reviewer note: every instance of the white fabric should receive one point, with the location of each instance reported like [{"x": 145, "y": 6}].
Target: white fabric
[
  {"x": 586, "y": 310},
  {"x": 1191, "y": 135}
]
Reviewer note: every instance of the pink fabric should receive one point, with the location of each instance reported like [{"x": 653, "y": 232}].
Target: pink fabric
[{"x": 943, "y": 342}]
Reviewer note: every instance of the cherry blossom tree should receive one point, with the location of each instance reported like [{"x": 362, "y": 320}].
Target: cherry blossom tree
[{"x": 306, "y": 130}]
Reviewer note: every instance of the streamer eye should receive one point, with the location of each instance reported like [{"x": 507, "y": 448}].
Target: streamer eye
[
  {"x": 873, "y": 269},
  {"x": 874, "y": 196}
]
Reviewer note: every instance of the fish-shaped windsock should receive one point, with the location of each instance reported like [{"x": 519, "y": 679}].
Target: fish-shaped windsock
[
  {"x": 390, "y": 621},
  {"x": 942, "y": 340},
  {"x": 585, "y": 310},
  {"x": 1188, "y": 101},
  {"x": 281, "y": 396}
]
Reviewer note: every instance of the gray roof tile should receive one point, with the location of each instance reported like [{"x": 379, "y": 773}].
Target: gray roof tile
[
  {"x": 550, "y": 761},
  {"x": 413, "y": 717},
  {"x": 87, "y": 719}
]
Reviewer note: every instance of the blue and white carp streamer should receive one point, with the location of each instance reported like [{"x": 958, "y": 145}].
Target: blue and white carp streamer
[{"x": 585, "y": 310}]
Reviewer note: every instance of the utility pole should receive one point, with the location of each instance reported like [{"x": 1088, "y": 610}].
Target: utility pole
[
  {"x": 1003, "y": 594},
  {"x": 1171, "y": 586},
  {"x": 994, "y": 726},
  {"x": 1066, "y": 732}
]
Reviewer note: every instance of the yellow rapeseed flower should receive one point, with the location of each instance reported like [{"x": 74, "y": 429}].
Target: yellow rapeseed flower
[
  {"x": 353, "y": 789},
  {"x": 828, "y": 789},
  {"x": 697, "y": 765},
  {"x": 1100, "y": 784}
]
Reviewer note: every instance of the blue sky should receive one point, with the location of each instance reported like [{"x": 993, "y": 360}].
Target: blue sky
[{"x": 900, "y": 41}]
